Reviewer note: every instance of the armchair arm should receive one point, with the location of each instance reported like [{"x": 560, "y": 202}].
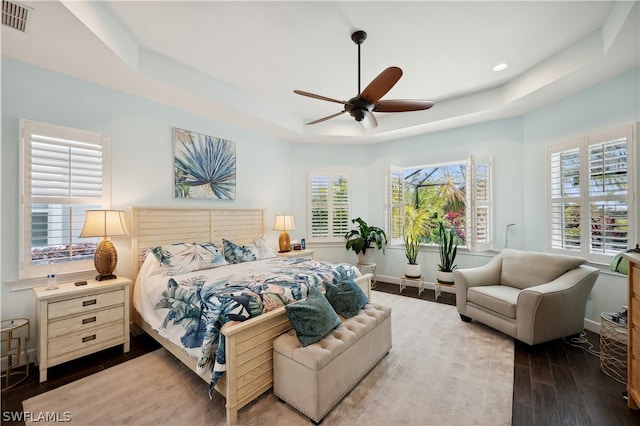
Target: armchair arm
[
  {"x": 555, "y": 309},
  {"x": 488, "y": 274}
]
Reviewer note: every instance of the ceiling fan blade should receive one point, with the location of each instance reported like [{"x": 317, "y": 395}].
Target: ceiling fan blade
[
  {"x": 369, "y": 121},
  {"x": 313, "y": 95},
  {"x": 381, "y": 85},
  {"x": 320, "y": 120},
  {"x": 402, "y": 105}
]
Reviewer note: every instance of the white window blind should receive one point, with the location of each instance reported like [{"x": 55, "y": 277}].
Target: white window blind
[
  {"x": 479, "y": 224},
  {"x": 395, "y": 205},
  {"x": 329, "y": 205},
  {"x": 64, "y": 173},
  {"x": 591, "y": 195}
]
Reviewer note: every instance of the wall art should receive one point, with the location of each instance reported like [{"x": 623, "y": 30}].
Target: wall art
[{"x": 204, "y": 166}]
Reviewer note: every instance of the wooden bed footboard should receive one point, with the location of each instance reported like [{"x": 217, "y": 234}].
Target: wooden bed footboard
[{"x": 249, "y": 355}]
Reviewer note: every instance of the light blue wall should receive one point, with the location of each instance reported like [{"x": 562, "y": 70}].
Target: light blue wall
[
  {"x": 273, "y": 174},
  {"x": 141, "y": 156}
]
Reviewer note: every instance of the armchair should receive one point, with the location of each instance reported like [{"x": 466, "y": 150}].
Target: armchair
[{"x": 533, "y": 297}]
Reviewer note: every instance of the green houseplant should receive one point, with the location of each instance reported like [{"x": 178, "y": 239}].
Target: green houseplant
[
  {"x": 416, "y": 226},
  {"x": 448, "y": 248},
  {"x": 363, "y": 239}
]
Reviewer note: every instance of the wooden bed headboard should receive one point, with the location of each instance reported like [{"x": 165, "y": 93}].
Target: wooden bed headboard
[{"x": 155, "y": 226}]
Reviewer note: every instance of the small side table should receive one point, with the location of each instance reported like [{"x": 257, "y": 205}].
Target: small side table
[
  {"x": 15, "y": 340},
  {"x": 438, "y": 286},
  {"x": 404, "y": 280},
  {"x": 369, "y": 268},
  {"x": 613, "y": 346}
]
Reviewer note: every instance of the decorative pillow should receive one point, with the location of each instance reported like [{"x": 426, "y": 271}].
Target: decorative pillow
[
  {"x": 313, "y": 318},
  {"x": 234, "y": 253},
  {"x": 346, "y": 297},
  {"x": 181, "y": 258},
  {"x": 262, "y": 249}
]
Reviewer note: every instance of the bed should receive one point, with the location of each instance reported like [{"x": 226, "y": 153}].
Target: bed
[{"x": 248, "y": 344}]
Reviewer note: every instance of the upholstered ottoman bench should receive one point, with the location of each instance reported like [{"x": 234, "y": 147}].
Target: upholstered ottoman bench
[{"x": 314, "y": 378}]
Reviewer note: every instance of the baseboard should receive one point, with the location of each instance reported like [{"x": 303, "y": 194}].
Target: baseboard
[{"x": 592, "y": 326}]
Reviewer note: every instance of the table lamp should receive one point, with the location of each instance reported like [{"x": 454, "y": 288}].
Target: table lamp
[
  {"x": 284, "y": 223},
  {"x": 104, "y": 223}
]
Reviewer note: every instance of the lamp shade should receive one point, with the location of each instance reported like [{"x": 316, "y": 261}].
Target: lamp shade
[
  {"x": 103, "y": 223},
  {"x": 284, "y": 222}
]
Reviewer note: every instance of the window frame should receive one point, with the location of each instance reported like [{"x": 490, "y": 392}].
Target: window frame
[
  {"x": 584, "y": 199},
  {"x": 330, "y": 174},
  {"x": 473, "y": 200},
  {"x": 62, "y": 134}
]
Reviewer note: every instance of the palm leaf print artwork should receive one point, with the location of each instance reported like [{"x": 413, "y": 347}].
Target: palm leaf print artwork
[{"x": 204, "y": 166}]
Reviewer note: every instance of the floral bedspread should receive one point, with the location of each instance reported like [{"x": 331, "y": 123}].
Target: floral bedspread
[{"x": 202, "y": 307}]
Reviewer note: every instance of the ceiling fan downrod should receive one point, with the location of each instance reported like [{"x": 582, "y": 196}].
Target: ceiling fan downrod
[{"x": 358, "y": 38}]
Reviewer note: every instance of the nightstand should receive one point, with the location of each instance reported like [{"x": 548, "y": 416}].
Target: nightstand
[
  {"x": 74, "y": 321},
  {"x": 298, "y": 253}
]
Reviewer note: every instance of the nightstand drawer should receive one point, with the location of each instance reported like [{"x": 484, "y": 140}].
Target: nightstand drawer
[
  {"x": 80, "y": 340},
  {"x": 84, "y": 304},
  {"x": 85, "y": 322}
]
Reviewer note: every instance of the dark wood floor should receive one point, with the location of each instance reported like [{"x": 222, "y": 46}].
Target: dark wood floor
[{"x": 554, "y": 383}]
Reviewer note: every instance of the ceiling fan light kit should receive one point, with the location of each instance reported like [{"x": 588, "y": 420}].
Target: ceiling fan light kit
[{"x": 368, "y": 101}]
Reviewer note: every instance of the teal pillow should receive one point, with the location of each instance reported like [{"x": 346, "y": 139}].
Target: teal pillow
[
  {"x": 313, "y": 318},
  {"x": 346, "y": 297}
]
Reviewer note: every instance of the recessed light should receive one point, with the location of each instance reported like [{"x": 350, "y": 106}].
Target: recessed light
[{"x": 500, "y": 67}]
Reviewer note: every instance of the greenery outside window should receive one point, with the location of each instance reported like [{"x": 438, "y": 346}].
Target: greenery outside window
[
  {"x": 64, "y": 173},
  {"x": 329, "y": 205},
  {"x": 457, "y": 194},
  {"x": 591, "y": 196}
]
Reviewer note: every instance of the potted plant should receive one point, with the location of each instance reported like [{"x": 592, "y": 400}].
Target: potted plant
[
  {"x": 448, "y": 249},
  {"x": 416, "y": 226},
  {"x": 364, "y": 239}
]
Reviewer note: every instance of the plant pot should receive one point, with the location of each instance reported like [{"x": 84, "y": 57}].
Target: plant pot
[
  {"x": 412, "y": 271},
  {"x": 367, "y": 257},
  {"x": 444, "y": 277}
]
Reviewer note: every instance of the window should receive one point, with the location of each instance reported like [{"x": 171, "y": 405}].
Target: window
[
  {"x": 591, "y": 195},
  {"x": 456, "y": 193},
  {"x": 329, "y": 205},
  {"x": 64, "y": 173}
]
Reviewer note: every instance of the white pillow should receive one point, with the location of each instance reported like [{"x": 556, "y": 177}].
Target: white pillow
[{"x": 262, "y": 249}]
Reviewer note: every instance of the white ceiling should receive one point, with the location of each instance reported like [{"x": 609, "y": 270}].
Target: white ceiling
[{"x": 240, "y": 61}]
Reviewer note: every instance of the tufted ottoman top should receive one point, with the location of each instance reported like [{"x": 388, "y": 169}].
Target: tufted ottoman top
[{"x": 319, "y": 354}]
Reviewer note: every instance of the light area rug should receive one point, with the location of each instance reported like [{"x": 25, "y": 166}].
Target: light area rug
[{"x": 440, "y": 371}]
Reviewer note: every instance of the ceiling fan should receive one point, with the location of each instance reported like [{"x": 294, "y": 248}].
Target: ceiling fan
[{"x": 368, "y": 101}]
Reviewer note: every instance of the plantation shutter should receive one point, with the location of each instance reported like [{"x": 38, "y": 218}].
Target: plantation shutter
[
  {"x": 394, "y": 204},
  {"x": 329, "y": 205},
  {"x": 608, "y": 195},
  {"x": 479, "y": 204},
  {"x": 64, "y": 174},
  {"x": 591, "y": 195},
  {"x": 565, "y": 203}
]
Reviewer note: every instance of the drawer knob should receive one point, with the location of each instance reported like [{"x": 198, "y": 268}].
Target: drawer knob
[
  {"x": 89, "y": 320},
  {"x": 89, "y": 302},
  {"x": 89, "y": 338}
]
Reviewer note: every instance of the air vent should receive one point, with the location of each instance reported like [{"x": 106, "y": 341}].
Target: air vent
[{"x": 15, "y": 15}]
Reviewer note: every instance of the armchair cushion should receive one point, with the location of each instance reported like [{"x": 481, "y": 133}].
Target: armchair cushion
[
  {"x": 501, "y": 299},
  {"x": 523, "y": 269}
]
